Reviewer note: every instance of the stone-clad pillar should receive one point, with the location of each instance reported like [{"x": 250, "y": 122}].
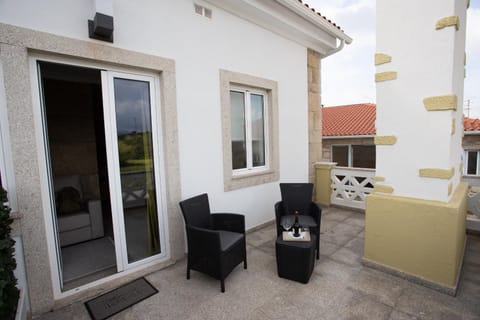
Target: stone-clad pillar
[
  {"x": 323, "y": 182},
  {"x": 415, "y": 220},
  {"x": 314, "y": 113}
]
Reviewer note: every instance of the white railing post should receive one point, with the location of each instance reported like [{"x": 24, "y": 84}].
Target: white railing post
[{"x": 350, "y": 186}]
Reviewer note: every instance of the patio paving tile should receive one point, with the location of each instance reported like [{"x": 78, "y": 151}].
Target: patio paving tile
[
  {"x": 347, "y": 256},
  {"x": 327, "y": 248},
  {"x": 341, "y": 234},
  {"x": 379, "y": 286},
  {"x": 261, "y": 236},
  {"x": 356, "y": 244},
  {"x": 356, "y": 220},
  {"x": 336, "y": 270},
  {"x": 397, "y": 315},
  {"x": 355, "y": 305},
  {"x": 328, "y": 225},
  {"x": 335, "y": 214},
  {"x": 340, "y": 286},
  {"x": 425, "y": 303}
]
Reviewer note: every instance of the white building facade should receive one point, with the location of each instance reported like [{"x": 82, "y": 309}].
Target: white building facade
[
  {"x": 415, "y": 220},
  {"x": 164, "y": 86}
]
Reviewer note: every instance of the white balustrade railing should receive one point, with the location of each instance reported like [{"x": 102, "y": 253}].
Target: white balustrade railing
[
  {"x": 473, "y": 202},
  {"x": 350, "y": 186}
]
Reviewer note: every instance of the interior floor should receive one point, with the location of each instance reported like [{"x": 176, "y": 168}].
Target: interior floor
[{"x": 88, "y": 261}]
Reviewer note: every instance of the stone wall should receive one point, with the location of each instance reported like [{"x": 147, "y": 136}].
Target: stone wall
[
  {"x": 471, "y": 142},
  {"x": 314, "y": 113}
]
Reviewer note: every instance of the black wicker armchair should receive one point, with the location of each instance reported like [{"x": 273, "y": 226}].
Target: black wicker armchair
[
  {"x": 298, "y": 197},
  {"x": 216, "y": 242}
]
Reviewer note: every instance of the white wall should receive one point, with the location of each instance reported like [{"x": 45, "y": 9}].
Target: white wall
[
  {"x": 200, "y": 47},
  {"x": 427, "y": 64}
]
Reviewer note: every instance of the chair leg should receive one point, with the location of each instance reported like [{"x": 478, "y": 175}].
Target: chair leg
[
  {"x": 245, "y": 260},
  {"x": 222, "y": 285},
  {"x": 188, "y": 272},
  {"x": 318, "y": 248}
]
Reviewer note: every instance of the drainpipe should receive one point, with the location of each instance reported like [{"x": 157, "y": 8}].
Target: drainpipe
[{"x": 340, "y": 47}]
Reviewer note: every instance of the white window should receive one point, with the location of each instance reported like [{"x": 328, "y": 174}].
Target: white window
[
  {"x": 248, "y": 125},
  {"x": 471, "y": 166},
  {"x": 249, "y": 129}
]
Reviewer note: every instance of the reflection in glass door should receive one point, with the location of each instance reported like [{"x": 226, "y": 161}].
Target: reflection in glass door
[
  {"x": 132, "y": 132},
  {"x": 135, "y": 152}
]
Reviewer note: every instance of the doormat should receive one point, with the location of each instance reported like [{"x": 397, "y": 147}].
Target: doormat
[{"x": 119, "y": 299}]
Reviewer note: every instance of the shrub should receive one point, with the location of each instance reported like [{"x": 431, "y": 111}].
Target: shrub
[{"x": 8, "y": 290}]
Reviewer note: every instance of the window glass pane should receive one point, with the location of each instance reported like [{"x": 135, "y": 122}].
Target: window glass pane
[
  {"x": 135, "y": 148},
  {"x": 472, "y": 162},
  {"x": 364, "y": 156},
  {"x": 239, "y": 150},
  {"x": 258, "y": 130},
  {"x": 340, "y": 155}
]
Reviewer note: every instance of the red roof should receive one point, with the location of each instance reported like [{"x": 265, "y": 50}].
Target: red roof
[
  {"x": 359, "y": 119},
  {"x": 320, "y": 15},
  {"x": 349, "y": 120},
  {"x": 471, "y": 124}
]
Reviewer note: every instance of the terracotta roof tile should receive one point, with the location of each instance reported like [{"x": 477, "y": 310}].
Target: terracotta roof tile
[
  {"x": 359, "y": 119},
  {"x": 320, "y": 15},
  {"x": 471, "y": 124},
  {"x": 349, "y": 120}
]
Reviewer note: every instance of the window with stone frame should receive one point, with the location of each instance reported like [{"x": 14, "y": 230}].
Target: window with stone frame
[{"x": 250, "y": 130}]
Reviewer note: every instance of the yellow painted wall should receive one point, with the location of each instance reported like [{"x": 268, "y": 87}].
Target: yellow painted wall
[
  {"x": 323, "y": 183},
  {"x": 418, "y": 237}
]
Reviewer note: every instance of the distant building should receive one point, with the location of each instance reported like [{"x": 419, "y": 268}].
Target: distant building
[{"x": 349, "y": 131}]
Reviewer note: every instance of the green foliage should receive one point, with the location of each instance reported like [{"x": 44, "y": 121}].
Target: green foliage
[
  {"x": 8, "y": 290},
  {"x": 135, "y": 151}
]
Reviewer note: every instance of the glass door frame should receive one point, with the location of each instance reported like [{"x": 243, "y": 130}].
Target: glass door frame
[
  {"x": 46, "y": 194},
  {"x": 113, "y": 164}
]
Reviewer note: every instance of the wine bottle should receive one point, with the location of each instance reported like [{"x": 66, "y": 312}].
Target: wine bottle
[{"x": 296, "y": 225}]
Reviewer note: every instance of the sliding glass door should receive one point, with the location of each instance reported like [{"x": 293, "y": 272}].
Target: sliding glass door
[{"x": 103, "y": 157}]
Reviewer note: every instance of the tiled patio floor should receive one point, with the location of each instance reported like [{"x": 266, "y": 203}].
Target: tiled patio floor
[{"x": 340, "y": 287}]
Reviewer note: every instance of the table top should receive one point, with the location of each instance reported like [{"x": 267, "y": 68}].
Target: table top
[{"x": 288, "y": 236}]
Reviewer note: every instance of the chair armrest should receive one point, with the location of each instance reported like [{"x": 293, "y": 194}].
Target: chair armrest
[
  {"x": 203, "y": 241},
  {"x": 228, "y": 221},
  {"x": 279, "y": 212},
  {"x": 94, "y": 208},
  {"x": 316, "y": 212}
]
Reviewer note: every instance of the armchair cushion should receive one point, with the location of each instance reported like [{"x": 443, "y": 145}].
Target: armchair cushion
[
  {"x": 68, "y": 201},
  {"x": 305, "y": 221},
  {"x": 229, "y": 239}
]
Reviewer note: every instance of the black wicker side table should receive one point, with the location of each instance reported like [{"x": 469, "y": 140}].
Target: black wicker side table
[{"x": 295, "y": 259}]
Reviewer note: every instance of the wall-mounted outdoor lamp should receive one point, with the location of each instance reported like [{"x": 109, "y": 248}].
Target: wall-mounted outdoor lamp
[{"x": 101, "y": 27}]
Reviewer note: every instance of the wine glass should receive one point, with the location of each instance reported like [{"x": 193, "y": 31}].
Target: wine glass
[{"x": 287, "y": 224}]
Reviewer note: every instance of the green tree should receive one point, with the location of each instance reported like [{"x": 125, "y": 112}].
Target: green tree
[{"x": 8, "y": 290}]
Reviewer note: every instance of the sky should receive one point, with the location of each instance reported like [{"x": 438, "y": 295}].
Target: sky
[{"x": 348, "y": 76}]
